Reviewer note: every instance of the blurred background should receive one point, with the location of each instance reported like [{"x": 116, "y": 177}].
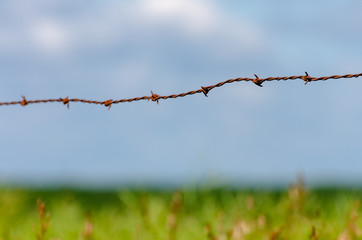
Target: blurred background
[{"x": 240, "y": 135}]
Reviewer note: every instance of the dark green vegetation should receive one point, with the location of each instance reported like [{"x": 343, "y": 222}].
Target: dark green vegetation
[{"x": 188, "y": 214}]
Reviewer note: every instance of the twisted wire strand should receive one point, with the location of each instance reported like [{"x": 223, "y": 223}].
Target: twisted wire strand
[{"x": 205, "y": 90}]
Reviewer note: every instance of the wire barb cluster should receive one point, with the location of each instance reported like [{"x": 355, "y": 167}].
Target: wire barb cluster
[{"x": 205, "y": 90}]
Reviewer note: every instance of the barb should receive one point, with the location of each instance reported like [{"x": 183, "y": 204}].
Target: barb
[
  {"x": 257, "y": 81},
  {"x": 205, "y": 90}
]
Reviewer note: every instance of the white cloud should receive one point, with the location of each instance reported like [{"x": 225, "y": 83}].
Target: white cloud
[
  {"x": 28, "y": 29},
  {"x": 203, "y": 23},
  {"x": 198, "y": 22},
  {"x": 49, "y": 36},
  {"x": 194, "y": 15}
]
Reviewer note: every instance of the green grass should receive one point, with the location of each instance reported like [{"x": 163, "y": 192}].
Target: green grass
[{"x": 188, "y": 214}]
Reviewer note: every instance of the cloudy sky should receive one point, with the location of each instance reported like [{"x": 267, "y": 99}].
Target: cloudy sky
[{"x": 241, "y": 133}]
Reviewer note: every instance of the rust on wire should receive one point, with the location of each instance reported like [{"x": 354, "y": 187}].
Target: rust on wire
[
  {"x": 65, "y": 101},
  {"x": 306, "y": 78},
  {"x": 108, "y": 103},
  {"x": 205, "y": 90},
  {"x": 257, "y": 81},
  {"x": 154, "y": 97},
  {"x": 24, "y": 102}
]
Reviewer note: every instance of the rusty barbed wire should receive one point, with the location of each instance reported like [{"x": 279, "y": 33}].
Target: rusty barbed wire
[{"x": 205, "y": 90}]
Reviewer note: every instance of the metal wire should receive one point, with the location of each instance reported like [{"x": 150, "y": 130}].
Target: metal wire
[{"x": 205, "y": 90}]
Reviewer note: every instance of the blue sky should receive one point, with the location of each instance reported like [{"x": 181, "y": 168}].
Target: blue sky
[{"x": 241, "y": 133}]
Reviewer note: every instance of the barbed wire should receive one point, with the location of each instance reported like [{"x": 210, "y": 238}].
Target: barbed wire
[{"x": 205, "y": 90}]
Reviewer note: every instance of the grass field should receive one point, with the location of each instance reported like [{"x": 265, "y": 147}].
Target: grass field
[{"x": 187, "y": 214}]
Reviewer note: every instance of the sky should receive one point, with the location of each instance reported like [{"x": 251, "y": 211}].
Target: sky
[{"x": 240, "y": 134}]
